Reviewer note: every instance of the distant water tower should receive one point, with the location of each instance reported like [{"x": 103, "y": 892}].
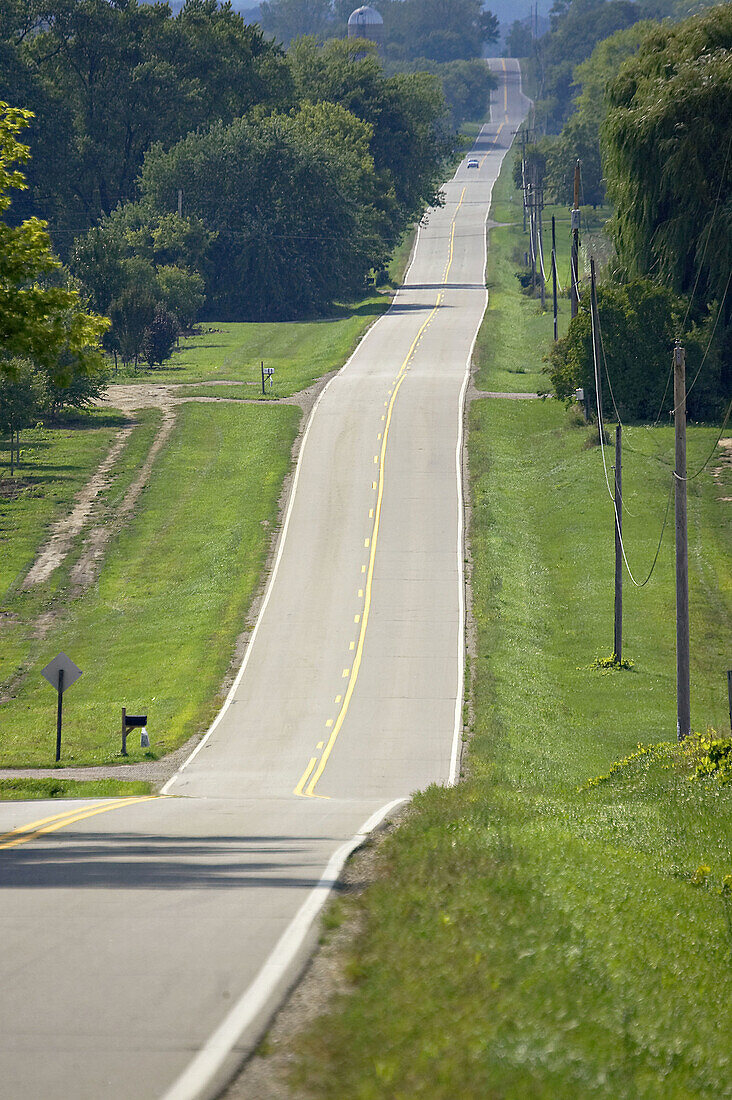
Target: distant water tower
[{"x": 366, "y": 22}]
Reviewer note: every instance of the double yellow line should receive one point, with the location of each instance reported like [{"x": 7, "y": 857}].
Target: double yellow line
[
  {"x": 315, "y": 768},
  {"x": 25, "y": 833}
]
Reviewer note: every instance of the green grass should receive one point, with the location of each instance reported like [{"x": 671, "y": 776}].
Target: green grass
[
  {"x": 515, "y": 333},
  {"x": 300, "y": 351},
  {"x": 528, "y": 935},
  {"x": 56, "y": 464},
  {"x": 176, "y": 584},
  {"x": 24, "y": 788}
]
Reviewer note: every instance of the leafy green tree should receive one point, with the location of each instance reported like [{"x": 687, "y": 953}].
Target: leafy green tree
[
  {"x": 289, "y": 19},
  {"x": 580, "y": 136},
  {"x": 668, "y": 156},
  {"x": 440, "y": 30},
  {"x": 182, "y": 293},
  {"x": 81, "y": 390},
  {"x": 405, "y": 113},
  {"x": 576, "y": 28},
  {"x": 519, "y": 40},
  {"x": 466, "y": 85},
  {"x": 292, "y": 201},
  {"x": 131, "y": 314},
  {"x": 127, "y": 74},
  {"x": 22, "y": 399},
  {"x": 40, "y": 317},
  {"x": 160, "y": 337},
  {"x": 639, "y": 322}
]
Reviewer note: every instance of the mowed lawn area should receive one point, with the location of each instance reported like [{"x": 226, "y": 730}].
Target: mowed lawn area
[
  {"x": 551, "y": 928},
  {"x": 157, "y": 632}
]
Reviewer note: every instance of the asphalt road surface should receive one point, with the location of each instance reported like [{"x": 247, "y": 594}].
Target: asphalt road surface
[{"x": 146, "y": 942}]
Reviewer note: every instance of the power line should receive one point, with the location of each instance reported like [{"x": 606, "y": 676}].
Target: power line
[{"x": 595, "y": 320}]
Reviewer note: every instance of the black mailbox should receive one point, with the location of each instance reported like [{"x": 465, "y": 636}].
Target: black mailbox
[{"x": 131, "y": 722}]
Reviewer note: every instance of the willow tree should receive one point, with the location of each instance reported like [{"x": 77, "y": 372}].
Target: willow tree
[{"x": 667, "y": 143}]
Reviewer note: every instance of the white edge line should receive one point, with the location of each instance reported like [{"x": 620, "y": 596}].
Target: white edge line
[
  {"x": 460, "y": 693},
  {"x": 285, "y": 527},
  {"x": 221, "y": 1042}
]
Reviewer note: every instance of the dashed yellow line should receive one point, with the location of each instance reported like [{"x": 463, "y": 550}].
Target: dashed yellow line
[{"x": 310, "y": 777}]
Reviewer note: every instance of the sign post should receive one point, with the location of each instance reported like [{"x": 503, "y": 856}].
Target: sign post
[
  {"x": 267, "y": 372},
  {"x": 61, "y": 673}
]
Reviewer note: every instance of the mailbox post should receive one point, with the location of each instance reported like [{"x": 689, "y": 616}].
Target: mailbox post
[{"x": 131, "y": 722}]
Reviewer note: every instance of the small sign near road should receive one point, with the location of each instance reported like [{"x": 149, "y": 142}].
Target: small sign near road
[
  {"x": 61, "y": 673},
  {"x": 62, "y": 663}
]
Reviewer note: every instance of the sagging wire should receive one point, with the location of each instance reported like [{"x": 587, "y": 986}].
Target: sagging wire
[
  {"x": 690, "y": 477},
  {"x": 595, "y": 319}
]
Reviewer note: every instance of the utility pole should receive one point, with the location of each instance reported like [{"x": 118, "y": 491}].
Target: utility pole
[
  {"x": 180, "y": 203},
  {"x": 540, "y": 197},
  {"x": 596, "y": 347},
  {"x": 618, "y": 631},
  {"x": 554, "y": 277},
  {"x": 575, "y": 240},
  {"x": 523, "y": 172},
  {"x": 683, "y": 690},
  {"x": 532, "y": 234}
]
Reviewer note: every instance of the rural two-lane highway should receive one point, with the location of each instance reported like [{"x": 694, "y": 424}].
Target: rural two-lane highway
[{"x": 145, "y": 943}]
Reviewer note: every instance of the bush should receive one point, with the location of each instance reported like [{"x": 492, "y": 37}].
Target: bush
[{"x": 639, "y": 323}]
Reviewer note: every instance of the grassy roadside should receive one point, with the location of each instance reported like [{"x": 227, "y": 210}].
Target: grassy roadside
[
  {"x": 300, "y": 352},
  {"x": 57, "y": 464},
  {"x": 515, "y": 326},
  {"x": 176, "y": 583},
  {"x": 26, "y": 789},
  {"x": 530, "y": 934}
]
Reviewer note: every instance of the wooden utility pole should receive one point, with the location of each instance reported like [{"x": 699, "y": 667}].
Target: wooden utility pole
[
  {"x": 618, "y": 632},
  {"x": 596, "y": 349},
  {"x": 523, "y": 172},
  {"x": 554, "y": 277},
  {"x": 540, "y": 198},
  {"x": 683, "y": 690},
  {"x": 575, "y": 240},
  {"x": 532, "y": 234}
]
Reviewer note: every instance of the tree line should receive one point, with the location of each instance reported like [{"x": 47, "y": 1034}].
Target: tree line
[
  {"x": 653, "y": 129},
  {"x": 184, "y": 163}
]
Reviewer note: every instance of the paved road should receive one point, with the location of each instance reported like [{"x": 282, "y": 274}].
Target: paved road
[{"x": 144, "y": 943}]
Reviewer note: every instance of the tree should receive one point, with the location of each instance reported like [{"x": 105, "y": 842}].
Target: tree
[
  {"x": 440, "y": 30},
  {"x": 40, "y": 317},
  {"x": 292, "y": 200},
  {"x": 160, "y": 337},
  {"x": 520, "y": 40},
  {"x": 289, "y": 19},
  {"x": 667, "y": 144},
  {"x": 405, "y": 113},
  {"x": 182, "y": 292},
  {"x": 22, "y": 398},
  {"x": 125, "y": 74},
  {"x": 132, "y": 313},
  {"x": 576, "y": 28},
  {"x": 580, "y": 136},
  {"x": 639, "y": 323}
]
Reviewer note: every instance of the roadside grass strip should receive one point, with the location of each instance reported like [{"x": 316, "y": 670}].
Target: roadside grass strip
[
  {"x": 526, "y": 937},
  {"x": 299, "y": 351},
  {"x": 51, "y": 787},
  {"x": 157, "y": 632},
  {"x": 56, "y": 463},
  {"x": 556, "y": 926},
  {"x": 515, "y": 332}
]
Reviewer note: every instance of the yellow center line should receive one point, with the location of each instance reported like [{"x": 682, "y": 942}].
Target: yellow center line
[
  {"x": 26, "y": 833},
  {"x": 301, "y": 786},
  {"x": 505, "y": 87}
]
